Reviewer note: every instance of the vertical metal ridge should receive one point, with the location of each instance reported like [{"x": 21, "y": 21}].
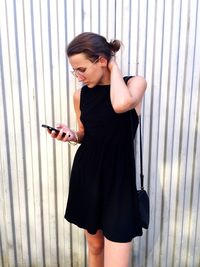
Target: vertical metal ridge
[
  {"x": 130, "y": 34},
  {"x": 190, "y": 120},
  {"x": 181, "y": 147},
  {"x": 38, "y": 123},
  {"x": 168, "y": 149},
  {"x": 49, "y": 183},
  {"x": 1, "y": 253},
  {"x": 176, "y": 90}
]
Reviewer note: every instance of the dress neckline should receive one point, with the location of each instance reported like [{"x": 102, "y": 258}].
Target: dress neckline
[{"x": 98, "y": 86}]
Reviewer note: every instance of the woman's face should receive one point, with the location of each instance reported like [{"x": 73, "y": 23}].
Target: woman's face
[{"x": 90, "y": 73}]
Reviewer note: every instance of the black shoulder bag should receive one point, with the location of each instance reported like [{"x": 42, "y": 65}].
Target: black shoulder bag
[{"x": 143, "y": 198}]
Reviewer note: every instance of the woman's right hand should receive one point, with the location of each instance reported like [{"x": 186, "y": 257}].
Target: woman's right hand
[
  {"x": 65, "y": 133},
  {"x": 112, "y": 63}
]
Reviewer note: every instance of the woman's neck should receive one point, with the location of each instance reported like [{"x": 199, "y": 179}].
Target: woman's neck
[{"x": 105, "y": 78}]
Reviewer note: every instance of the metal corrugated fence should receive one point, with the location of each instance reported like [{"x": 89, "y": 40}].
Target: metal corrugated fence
[{"x": 161, "y": 42}]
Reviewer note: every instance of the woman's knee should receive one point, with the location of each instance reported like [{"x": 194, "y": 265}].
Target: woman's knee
[
  {"x": 95, "y": 242},
  {"x": 96, "y": 248}
]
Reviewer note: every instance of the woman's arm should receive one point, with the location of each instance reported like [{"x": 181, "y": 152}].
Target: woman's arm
[
  {"x": 125, "y": 97},
  {"x": 80, "y": 132},
  {"x": 71, "y": 135}
]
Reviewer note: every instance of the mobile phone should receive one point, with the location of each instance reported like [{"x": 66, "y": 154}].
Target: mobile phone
[{"x": 50, "y": 128}]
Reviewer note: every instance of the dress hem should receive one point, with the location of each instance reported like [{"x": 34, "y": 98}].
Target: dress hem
[{"x": 107, "y": 236}]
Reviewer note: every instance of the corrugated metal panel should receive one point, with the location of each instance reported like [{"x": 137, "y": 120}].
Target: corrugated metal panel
[{"x": 161, "y": 40}]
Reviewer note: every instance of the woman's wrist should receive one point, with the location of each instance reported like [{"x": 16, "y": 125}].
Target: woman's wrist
[
  {"x": 76, "y": 138},
  {"x": 112, "y": 64}
]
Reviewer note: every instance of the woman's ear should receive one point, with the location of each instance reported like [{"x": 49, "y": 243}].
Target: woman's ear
[{"x": 103, "y": 61}]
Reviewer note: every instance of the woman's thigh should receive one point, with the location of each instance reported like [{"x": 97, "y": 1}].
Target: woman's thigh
[{"x": 117, "y": 254}]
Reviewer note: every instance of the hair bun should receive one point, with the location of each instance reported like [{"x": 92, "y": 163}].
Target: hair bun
[{"x": 115, "y": 45}]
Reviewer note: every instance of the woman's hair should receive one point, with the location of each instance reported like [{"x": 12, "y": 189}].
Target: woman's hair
[{"x": 93, "y": 45}]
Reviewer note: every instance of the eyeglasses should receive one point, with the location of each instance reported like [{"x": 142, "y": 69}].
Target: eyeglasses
[{"x": 82, "y": 71}]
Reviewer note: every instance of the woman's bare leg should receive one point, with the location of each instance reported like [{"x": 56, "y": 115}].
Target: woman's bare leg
[
  {"x": 95, "y": 249},
  {"x": 117, "y": 254}
]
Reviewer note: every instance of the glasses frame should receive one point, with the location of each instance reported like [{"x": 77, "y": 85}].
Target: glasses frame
[{"x": 77, "y": 72}]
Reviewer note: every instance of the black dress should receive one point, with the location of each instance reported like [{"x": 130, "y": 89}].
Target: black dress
[{"x": 102, "y": 192}]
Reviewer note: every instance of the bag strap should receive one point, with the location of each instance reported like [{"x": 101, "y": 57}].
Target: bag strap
[
  {"x": 126, "y": 78},
  {"x": 141, "y": 157}
]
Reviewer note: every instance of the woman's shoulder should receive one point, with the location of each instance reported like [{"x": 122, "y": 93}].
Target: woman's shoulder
[
  {"x": 136, "y": 80},
  {"x": 77, "y": 95}
]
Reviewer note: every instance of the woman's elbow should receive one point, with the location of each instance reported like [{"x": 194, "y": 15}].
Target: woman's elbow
[
  {"x": 122, "y": 106},
  {"x": 118, "y": 109}
]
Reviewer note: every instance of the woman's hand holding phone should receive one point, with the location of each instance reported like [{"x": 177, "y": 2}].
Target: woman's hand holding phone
[{"x": 61, "y": 133}]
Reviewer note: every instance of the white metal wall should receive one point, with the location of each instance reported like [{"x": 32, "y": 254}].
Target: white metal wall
[{"x": 161, "y": 42}]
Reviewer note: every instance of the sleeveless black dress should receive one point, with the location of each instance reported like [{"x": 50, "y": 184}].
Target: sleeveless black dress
[{"x": 102, "y": 190}]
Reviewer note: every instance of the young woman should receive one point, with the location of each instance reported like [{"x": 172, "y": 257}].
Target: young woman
[{"x": 102, "y": 194}]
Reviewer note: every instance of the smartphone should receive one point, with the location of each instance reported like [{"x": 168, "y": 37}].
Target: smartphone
[{"x": 53, "y": 129}]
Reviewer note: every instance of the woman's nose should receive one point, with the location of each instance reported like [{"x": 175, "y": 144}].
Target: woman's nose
[{"x": 80, "y": 77}]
